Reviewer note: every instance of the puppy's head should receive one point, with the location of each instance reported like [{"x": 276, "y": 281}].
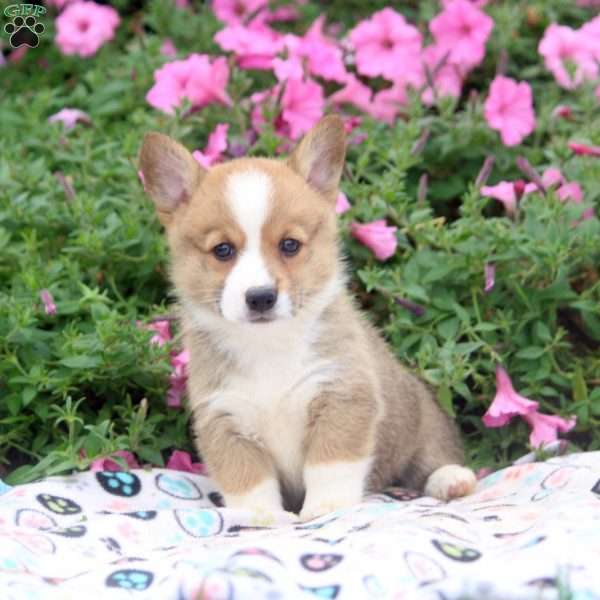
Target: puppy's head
[{"x": 252, "y": 240}]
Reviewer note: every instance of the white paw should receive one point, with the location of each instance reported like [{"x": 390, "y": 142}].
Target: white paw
[
  {"x": 332, "y": 486},
  {"x": 450, "y": 481},
  {"x": 263, "y": 498},
  {"x": 312, "y": 511}
]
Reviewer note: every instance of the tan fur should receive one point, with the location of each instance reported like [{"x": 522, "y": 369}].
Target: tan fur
[{"x": 363, "y": 404}]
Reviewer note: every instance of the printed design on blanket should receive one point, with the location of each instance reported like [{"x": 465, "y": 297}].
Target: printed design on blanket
[{"x": 160, "y": 534}]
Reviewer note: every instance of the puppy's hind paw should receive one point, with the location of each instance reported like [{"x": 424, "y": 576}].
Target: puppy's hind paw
[{"x": 449, "y": 482}]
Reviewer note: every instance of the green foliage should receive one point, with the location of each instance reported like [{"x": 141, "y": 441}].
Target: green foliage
[{"x": 86, "y": 381}]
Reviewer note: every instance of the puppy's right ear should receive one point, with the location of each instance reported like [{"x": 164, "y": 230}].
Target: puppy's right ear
[{"x": 170, "y": 174}]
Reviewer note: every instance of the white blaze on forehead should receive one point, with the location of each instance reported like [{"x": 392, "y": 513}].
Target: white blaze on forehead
[{"x": 248, "y": 194}]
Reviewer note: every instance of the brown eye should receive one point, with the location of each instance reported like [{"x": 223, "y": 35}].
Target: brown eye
[
  {"x": 224, "y": 251},
  {"x": 289, "y": 246}
]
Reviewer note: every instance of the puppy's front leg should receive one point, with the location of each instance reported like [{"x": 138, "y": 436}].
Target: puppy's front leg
[
  {"x": 339, "y": 445},
  {"x": 240, "y": 466}
]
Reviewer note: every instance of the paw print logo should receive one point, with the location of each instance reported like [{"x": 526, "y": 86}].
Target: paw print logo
[{"x": 24, "y": 32}]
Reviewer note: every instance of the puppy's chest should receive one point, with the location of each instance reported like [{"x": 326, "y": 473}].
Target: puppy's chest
[{"x": 269, "y": 400}]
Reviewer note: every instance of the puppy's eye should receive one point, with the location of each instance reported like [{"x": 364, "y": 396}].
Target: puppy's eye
[
  {"x": 289, "y": 246},
  {"x": 224, "y": 251}
]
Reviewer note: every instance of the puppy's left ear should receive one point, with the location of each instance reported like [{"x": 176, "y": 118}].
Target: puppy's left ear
[{"x": 319, "y": 158}]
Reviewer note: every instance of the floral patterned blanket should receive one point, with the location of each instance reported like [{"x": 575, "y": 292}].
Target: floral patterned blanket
[{"x": 530, "y": 531}]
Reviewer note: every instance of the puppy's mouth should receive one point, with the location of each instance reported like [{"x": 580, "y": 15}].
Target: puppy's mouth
[{"x": 258, "y": 318}]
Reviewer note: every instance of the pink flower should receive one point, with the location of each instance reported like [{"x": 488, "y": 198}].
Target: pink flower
[
  {"x": 48, "y": 301},
  {"x": 289, "y": 68},
  {"x": 85, "y": 26},
  {"x": 162, "y": 330},
  {"x": 194, "y": 78},
  {"x": 387, "y": 103},
  {"x": 255, "y": 46},
  {"x": 107, "y": 464},
  {"x": 237, "y": 12},
  {"x": 354, "y": 92},
  {"x": 69, "y": 117},
  {"x": 509, "y": 109},
  {"x": 570, "y": 191},
  {"x": 584, "y": 149},
  {"x": 341, "y": 204},
  {"x": 490, "y": 277},
  {"x": 545, "y": 428},
  {"x": 167, "y": 48},
  {"x": 178, "y": 379},
  {"x": 507, "y": 403},
  {"x": 324, "y": 57},
  {"x": 377, "y": 236},
  {"x": 387, "y": 45},
  {"x": 182, "y": 461},
  {"x": 217, "y": 144},
  {"x": 463, "y": 30},
  {"x": 562, "y": 46},
  {"x": 563, "y": 111},
  {"x": 504, "y": 192},
  {"x": 447, "y": 77},
  {"x": 302, "y": 103}
]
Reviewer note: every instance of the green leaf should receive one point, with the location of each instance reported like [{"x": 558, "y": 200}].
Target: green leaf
[
  {"x": 448, "y": 328},
  {"x": 445, "y": 399},
  {"x": 81, "y": 362},
  {"x": 530, "y": 353}
]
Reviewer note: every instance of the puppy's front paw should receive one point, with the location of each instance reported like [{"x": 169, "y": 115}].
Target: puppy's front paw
[
  {"x": 449, "y": 482},
  {"x": 325, "y": 506},
  {"x": 263, "y": 498}
]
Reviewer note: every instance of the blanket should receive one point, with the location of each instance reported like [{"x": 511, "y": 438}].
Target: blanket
[{"x": 529, "y": 531}]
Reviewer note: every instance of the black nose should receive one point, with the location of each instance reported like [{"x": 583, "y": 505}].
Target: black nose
[{"x": 261, "y": 299}]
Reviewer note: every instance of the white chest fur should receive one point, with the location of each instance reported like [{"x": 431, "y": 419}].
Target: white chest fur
[{"x": 278, "y": 375}]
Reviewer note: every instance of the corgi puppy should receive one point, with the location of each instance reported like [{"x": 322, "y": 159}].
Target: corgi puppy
[{"x": 296, "y": 400}]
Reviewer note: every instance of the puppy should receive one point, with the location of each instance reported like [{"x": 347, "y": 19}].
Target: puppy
[{"x": 296, "y": 400}]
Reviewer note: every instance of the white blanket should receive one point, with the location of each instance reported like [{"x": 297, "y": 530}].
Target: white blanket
[{"x": 530, "y": 531}]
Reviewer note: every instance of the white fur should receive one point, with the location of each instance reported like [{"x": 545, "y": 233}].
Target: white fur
[
  {"x": 281, "y": 375},
  {"x": 450, "y": 481},
  {"x": 330, "y": 486},
  {"x": 263, "y": 497},
  {"x": 249, "y": 198}
]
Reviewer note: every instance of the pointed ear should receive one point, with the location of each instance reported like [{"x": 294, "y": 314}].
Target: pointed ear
[
  {"x": 170, "y": 174},
  {"x": 319, "y": 158}
]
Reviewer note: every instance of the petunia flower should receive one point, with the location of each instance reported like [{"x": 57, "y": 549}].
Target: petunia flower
[
  {"x": 69, "y": 117},
  {"x": 48, "y": 301},
  {"x": 387, "y": 103},
  {"x": 182, "y": 461},
  {"x": 563, "y": 47},
  {"x": 462, "y": 30},
  {"x": 507, "y": 402},
  {"x": 387, "y": 45},
  {"x": 196, "y": 78},
  {"x": 377, "y": 236},
  {"x": 563, "y": 111},
  {"x": 107, "y": 464},
  {"x": 302, "y": 106},
  {"x": 354, "y": 92},
  {"x": 237, "y": 12},
  {"x": 323, "y": 56},
  {"x": 545, "y": 428},
  {"x": 254, "y": 47},
  {"x": 490, "y": 277},
  {"x": 178, "y": 379},
  {"x": 167, "y": 48},
  {"x": 584, "y": 149},
  {"x": 288, "y": 68},
  {"x": 84, "y": 26},
  {"x": 162, "y": 331},
  {"x": 509, "y": 109},
  {"x": 447, "y": 77},
  {"x": 217, "y": 144},
  {"x": 504, "y": 192},
  {"x": 341, "y": 204},
  {"x": 570, "y": 191}
]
